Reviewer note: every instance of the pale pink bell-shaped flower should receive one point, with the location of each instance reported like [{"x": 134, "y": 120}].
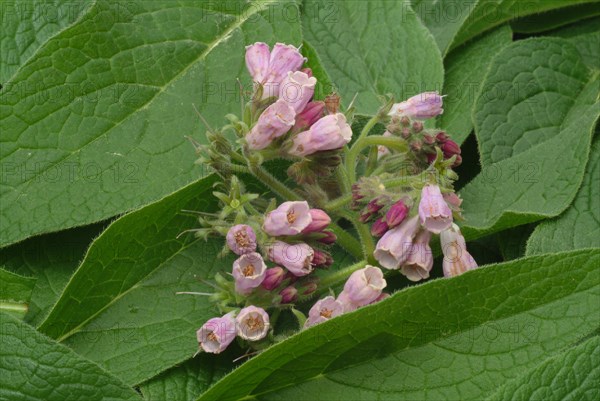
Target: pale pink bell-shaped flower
[
  {"x": 434, "y": 212},
  {"x": 420, "y": 260},
  {"x": 217, "y": 333},
  {"x": 297, "y": 89},
  {"x": 456, "y": 258},
  {"x": 310, "y": 115},
  {"x": 252, "y": 323},
  {"x": 320, "y": 220},
  {"x": 248, "y": 272},
  {"x": 330, "y": 132},
  {"x": 364, "y": 286},
  {"x": 241, "y": 239},
  {"x": 393, "y": 248},
  {"x": 297, "y": 258},
  {"x": 276, "y": 120},
  {"x": 290, "y": 218},
  {"x": 323, "y": 310},
  {"x": 284, "y": 58},
  {"x": 422, "y": 106},
  {"x": 258, "y": 56}
]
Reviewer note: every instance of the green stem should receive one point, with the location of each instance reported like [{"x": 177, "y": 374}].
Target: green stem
[
  {"x": 346, "y": 241},
  {"x": 364, "y": 233},
  {"x": 338, "y": 203},
  {"x": 372, "y": 161},
  {"x": 340, "y": 276},
  {"x": 277, "y": 186},
  {"x": 372, "y": 140}
]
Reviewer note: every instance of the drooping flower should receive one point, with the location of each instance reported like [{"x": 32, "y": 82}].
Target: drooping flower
[
  {"x": 320, "y": 220},
  {"x": 379, "y": 227},
  {"x": 323, "y": 310},
  {"x": 248, "y": 272},
  {"x": 330, "y": 132},
  {"x": 252, "y": 323},
  {"x": 273, "y": 278},
  {"x": 434, "y": 212},
  {"x": 456, "y": 258},
  {"x": 276, "y": 120},
  {"x": 396, "y": 214},
  {"x": 420, "y": 260},
  {"x": 422, "y": 106},
  {"x": 257, "y": 60},
  {"x": 363, "y": 286},
  {"x": 297, "y": 258},
  {"x": 290, "y": 218},
  {"x": 297, "y": 89},
  {"x": 241, "y": 239},
  {"x": 393, "y": 248},
  {"x": 217, "y": 333}
]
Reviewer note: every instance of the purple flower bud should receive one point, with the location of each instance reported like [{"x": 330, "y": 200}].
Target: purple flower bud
[
  {"x": 241, "y": 239},
  {"x": 323, "y": 310},
  {"x": 217, "y": 333},
  {"x": 417, "y": 126},
  {"x": 428, "y": 139},
  {"x": 431, "y": 157},
  {"x": 273, "y": 278},
  {"x": 322, "y": 259},
  {"x": 257, "y": 60},
  {"x": 405, "y": 121},
  {"x": 309, "y": 288},
  {"x": 307, "y": 71},
  {"x": 328, "y": 239},
  {"x": 370, "y": 210},
  {"x": 405, "y": 133},
  {"x": 422, "y": 106},
  {"x": 364, "y": 286},
  {"x": 452, "y": 200},
  {"x": 297, "y": 89},
  {"x": 434, "y": 212},
  {"x": 248, "y": 272},
  {"x": 330, "y": 132},
  {"x": 420, "y": 260},
  {"x": 396, "y": 214},
  {"x": 276, "y": 120},
  {"x": 310, "y": 115},
  {"x": 441, "y": 137},
  {"x": 450, "y": 148},
  {"x": 456, "y": 258},
  {"x": 379, "y": 228},
  {"x": 457, "y": 161},
  {"x": 289, "y": 295},
  {"x": 320, "y": 220},
  {"x": 393, "y": 248},
  {"x": 297, "y": 258},
  {"x": 252, "y": 323},
  {"x": 290, "y": 218}
]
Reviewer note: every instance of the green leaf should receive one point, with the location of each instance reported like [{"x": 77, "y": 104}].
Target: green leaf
[
  {"x": 585, "y": 36},
  {"x": 579, "y": 226},
  {"x": 465, "y": 70},
  {"x": 371, "y": 48},
  {"x": 572, "y": 375},
  {"x": 120, "y": 308},
  {"x": 466, "y": 335},
  {"x": 94, "y": 123},
  {"x": 15, "y": 293},
  {"x": 534, "y": 120},
  {"x": 36, "y": 368},
  {"x": 51, "y": 259},
  {"x": 555, "y": 18}
]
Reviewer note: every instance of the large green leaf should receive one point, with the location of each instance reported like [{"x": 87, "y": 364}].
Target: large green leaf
[
  {"x": 371, "y": 48},
  {"x": 579, "y": 226},
  {"x": 585, "y": 36},
  {"x": 573, "y": 375},
  {"x": 555, "y": 18},
  {"x": 120, "y": 307},
  {"x": 534, "y": 120},
  {"x": 51, "y": 259},
  {"x": 94, "y": 123},
  {"x": 454, "y": 338},
  {"x": 36, "y": 368},
  {"x": 465, "y": 69},
  {"x": 15, "y": 293}
]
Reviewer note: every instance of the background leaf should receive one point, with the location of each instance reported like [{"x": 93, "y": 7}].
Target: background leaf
[
  {"x": 15, "y": 292},
  {"x": 405, "y": 60},
  {"x": 467, "y": 335},
  {"x": 36, "y": 368},
  {"x": 555, "y": 18},
  {"x": 585, "y": 36}
]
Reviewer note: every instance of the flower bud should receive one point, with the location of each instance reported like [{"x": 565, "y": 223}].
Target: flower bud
[
  {"x": 297, "y": 258},
  {"x": 309, "y": 288},
  {"x": 322, "y": 259},
  {"x": 405, "y": 121},
  {"x": 252, "y": 323},
  {"x": 428, "y": 139},
  {"x": 276, "y": 120},
  {"x": 217, "y": 333},
  {"x": 405, "y": 133},
  {"x": 290, "y": 218},
  {"x": 310, "y": 115},
  {"x": 307, "y": 71},
  {"x": 396, "y": 214},
  {"x": 273, "y": 278},
  {"x": 320, "y": 220},
  {"x": 379, "y": 228},
  {"x": 364, "y": 285},
  {"x": 417, "y": 126},
  {"x": 422, "y": 106},
  {"x": 297, "y": 89},
  {"x": 452, "y": 200},
  {"x": 434, "y": 212},
  {"x": 328, "y": 239},
  {"x": 441, "y": 137},
  {"x": 330, "y": 132},
  {"x": 450, "y": 148},
  {"x": 457, "y": 161},
  {"x": 289, "y": 295},
  {"x": 241, "y": 239},
  {"x": 416, "y": 145},
  {"x": 248, "y": 272},
  {"x": 323, "y": 310}
]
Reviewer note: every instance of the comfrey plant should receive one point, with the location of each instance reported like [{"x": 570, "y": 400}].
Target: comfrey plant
[{"x": 395, "y": 189}]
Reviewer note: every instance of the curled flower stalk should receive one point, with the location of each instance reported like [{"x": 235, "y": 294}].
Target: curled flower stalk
[{"x": 380, "y": 197}]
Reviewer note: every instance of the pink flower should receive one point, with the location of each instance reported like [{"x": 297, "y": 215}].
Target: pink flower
[
  {"x": 396, "y": 214},
  {"x": 257, "y": 61},
  {"x": 217, "y": 333},
  {"x": 276, "y": 120},
  {"x": 330, "y": 132},
  {"x": 393, "y": 248},
  {"x": 364, "y": 286},
  {"x": 241, "y": 239},
  {"x": 297, "y": 258},
  {"x": 248, "y": 272},
  {"x": 273, "y": 278},
  {"x": 434, "y": 212},
  {"x": 323, "y": 310},
  {"x": 290, "y": 218},
  {"x": 252, "y": 323},
  {"x": 297, "y": 89},
  {"x": 310, "y": 115},
  {"x": 320, "y": 220},
  {"x": 422, "y": 106},
  {"x": 420, "y": 260},
  {"x": 456, "y": 258}
]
